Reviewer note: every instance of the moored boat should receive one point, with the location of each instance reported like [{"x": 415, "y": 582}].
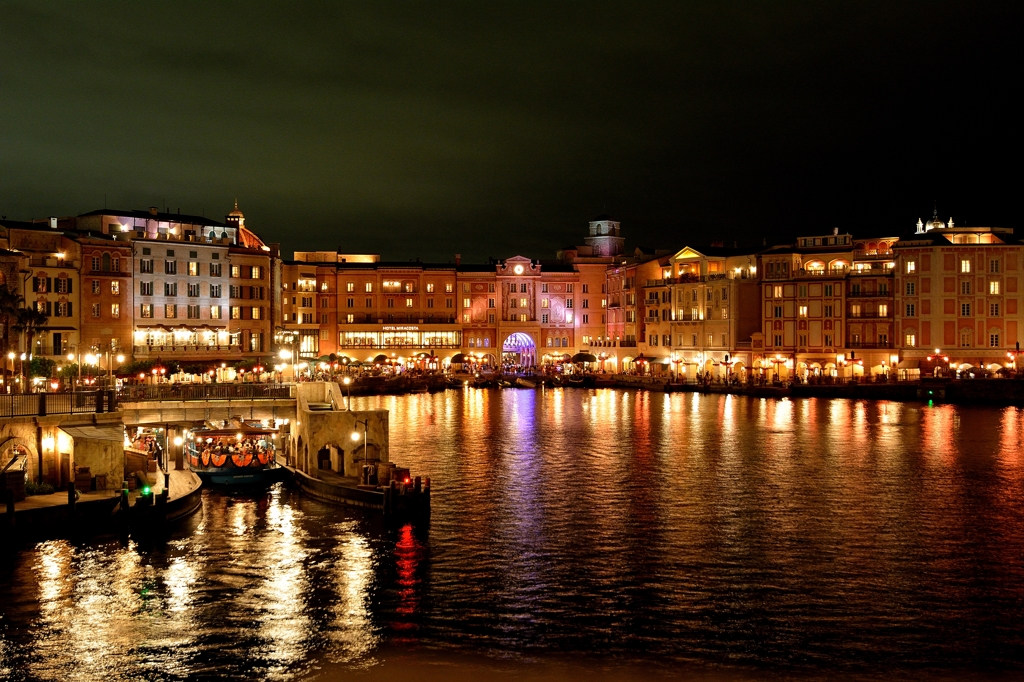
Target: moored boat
[{"x": 234, "y": 454}]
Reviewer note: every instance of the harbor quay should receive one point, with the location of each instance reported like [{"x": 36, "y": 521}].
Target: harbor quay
[
  {"x": 69, "y": 461},
  {"x": 142, "y": 464}
]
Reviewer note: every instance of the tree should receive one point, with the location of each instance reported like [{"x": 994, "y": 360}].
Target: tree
[
  {"x": 41, "y": 367},
  {"x": 10, "y": 303},
  {"x": 28, "y": 322}
]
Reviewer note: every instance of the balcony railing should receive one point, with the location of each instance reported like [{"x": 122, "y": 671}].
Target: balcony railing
[
  {"x": 42, "y": 404},
  {"x": 396, "y": 318},
  {"x": 870, "y": 294},
  {"x": 187, "y": 392},
  {"x": 50, "y": 351},
  {"x": 870, "y": 254},
  {"x": 185, "y": 348},
  {"x": 869, "y": 315},
  {"x": 823, "y": 272},
  {"x": 869, "y": 344}
]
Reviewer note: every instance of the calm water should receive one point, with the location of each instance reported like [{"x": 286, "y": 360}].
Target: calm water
[{"x": 708, "y": 535}]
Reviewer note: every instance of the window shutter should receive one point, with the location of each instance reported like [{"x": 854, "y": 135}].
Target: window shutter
[
  {"x": 69, "y": 286},
  {"x": 49, "y": 284},
  {"x": 70, "y": 314},
  {"x": 49, "y": 308}
]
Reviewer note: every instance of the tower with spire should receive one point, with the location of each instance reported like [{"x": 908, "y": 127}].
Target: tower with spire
[{"x": 236, "y": 218}]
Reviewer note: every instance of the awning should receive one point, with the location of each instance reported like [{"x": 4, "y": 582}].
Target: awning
[
  {"x": 584, "y": 357},
  {"x": 459, "y": 359},
  {"x": 909, "y": 363},
  {"x": 380, "y": 359}
]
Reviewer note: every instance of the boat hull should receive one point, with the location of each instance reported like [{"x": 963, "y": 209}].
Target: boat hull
[{"x": 236, "y": 477}]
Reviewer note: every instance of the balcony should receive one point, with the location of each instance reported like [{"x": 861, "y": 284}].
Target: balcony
[
  {"x": 876, "y": 270},
  {"x": 869, "y": 316},
  {"x": 872, "y": 254},
  {"x": 870, "y": 294},
  {"x": 204, "y": 351},
  {"x": 823, "y": 272},
  {"x": 856, "y": 345}
]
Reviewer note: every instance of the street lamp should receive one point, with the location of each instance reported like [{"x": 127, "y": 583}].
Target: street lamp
[
  {"x": 348, "y": 386},
  {"x": 355, "y": 438}
]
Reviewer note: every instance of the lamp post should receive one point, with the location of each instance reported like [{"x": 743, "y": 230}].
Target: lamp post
[
  {"x": 939, "y": 357},
  {"x": 355, "y": 437},
  {"x": 347, "y": 381}
]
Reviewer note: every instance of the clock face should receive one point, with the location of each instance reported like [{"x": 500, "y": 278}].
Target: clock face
[{"x": 518, "y": 269}]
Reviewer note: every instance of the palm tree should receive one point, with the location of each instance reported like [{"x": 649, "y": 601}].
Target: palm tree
[
  {"x": 10, "y": 302},
  {"x": 29, "y": 320}
]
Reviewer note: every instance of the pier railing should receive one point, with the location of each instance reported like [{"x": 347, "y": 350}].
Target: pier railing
[
  {"x": 140, "y": 394},
  {"x": 43, "y": 404}
]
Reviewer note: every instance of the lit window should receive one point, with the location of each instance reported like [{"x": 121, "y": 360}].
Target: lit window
[
  {"x": 993, "y": 288},
  {"x": 115, "y": 310},
  {"x": 803, "y": 311},
  {"x": 115, "y": 287},
  {"x": 965, "y": 265},
  {"x": 911, "y": 267}
]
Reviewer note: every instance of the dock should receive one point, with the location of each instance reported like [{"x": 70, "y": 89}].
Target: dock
[{"x": 68, "y": 512}]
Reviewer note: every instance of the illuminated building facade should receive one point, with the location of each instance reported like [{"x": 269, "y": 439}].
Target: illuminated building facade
[{"x": 958, "y": 298}]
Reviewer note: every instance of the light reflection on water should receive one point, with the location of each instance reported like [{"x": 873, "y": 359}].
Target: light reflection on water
[{"x": 676, "y": 529}]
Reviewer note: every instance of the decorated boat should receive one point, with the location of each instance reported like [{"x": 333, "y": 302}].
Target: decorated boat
[{"x": 234, "y": 453}]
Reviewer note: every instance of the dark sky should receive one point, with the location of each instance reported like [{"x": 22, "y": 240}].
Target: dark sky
[{"x": 422, "y": 129}]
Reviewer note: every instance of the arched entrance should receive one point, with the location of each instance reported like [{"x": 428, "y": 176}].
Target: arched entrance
[{"x": 519, "y": 349}]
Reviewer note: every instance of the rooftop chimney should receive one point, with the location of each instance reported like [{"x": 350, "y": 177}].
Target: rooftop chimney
[
  {"x": 717, "y": 242},
  {"x": 153, "y": 210},
  {"x": 53, "y": 223},
  {"x": 458, "y": 258}
]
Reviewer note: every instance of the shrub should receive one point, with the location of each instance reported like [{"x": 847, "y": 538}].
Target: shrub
[{"x": 33, "y": 488}]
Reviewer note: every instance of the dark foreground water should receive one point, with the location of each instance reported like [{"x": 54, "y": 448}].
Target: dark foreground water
[{"x": 606, "y": 534}]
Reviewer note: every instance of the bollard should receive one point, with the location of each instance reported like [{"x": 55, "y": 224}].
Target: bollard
[{"x": 416, "y": 485}]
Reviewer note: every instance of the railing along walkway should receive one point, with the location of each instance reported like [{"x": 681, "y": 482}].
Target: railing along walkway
[
  {"x": 42, "y": 404},
  {"x": 188, "y": 392}
]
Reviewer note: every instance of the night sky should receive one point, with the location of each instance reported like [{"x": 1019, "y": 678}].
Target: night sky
[{"x": 422, "y": 129}]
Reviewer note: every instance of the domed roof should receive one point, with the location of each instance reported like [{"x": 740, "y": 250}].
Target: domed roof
[{"x": 236, "y": 212}]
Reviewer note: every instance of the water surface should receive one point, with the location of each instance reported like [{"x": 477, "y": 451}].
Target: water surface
[{"x": 609, "y": 530}]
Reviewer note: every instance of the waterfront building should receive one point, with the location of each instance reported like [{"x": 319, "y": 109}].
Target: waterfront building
[
  {"x": 106, "y": 300},
  {"x": 153, "y": 284},
  {"x": 703, "y": 310},
  {"x": 958, "y": 292},
  {"x": 43, "y": 264},
  {"x": 826, "y": 307}
]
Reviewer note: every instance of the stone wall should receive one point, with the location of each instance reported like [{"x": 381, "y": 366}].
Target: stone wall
[{"x": 314, "y": 429}]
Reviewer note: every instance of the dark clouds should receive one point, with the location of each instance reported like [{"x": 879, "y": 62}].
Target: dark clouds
[{"x": 425, "y": 129}]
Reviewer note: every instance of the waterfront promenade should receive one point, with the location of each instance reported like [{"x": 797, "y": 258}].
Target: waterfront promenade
[{"x": 96, "y": 511}]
